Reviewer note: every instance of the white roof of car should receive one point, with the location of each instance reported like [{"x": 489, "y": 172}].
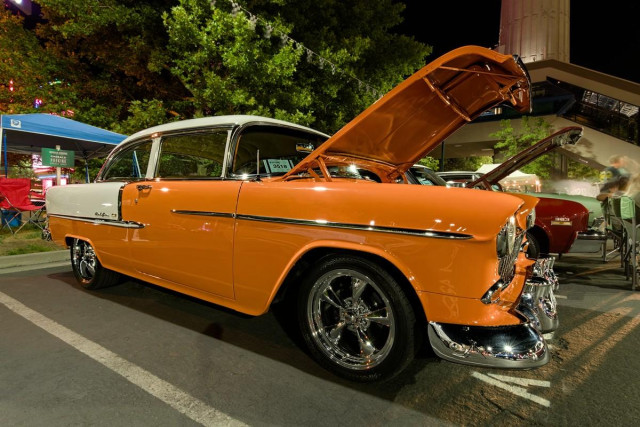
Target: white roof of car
[
  {"x": 236, "y": 120},
  {"x": 456, "y": 173}
]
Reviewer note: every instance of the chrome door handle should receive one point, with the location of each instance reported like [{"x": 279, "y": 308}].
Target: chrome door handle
[{"x": 141, "y": 187}]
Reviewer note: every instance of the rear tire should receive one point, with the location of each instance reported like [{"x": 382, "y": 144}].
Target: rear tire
[
  {"x": 87, "y": 269},
  {"x": 356, "y": 320}
]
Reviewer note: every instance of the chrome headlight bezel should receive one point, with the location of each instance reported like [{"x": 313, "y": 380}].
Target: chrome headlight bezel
[{"x": 506, "y": 239}]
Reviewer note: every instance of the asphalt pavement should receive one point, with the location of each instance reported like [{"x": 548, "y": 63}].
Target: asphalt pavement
[{"x": 136, "y": 354}]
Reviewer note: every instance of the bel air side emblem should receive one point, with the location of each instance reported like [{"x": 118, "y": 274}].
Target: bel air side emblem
[
  {"x": 101, "y": 214},
  {"x": 561, "y": 220}
]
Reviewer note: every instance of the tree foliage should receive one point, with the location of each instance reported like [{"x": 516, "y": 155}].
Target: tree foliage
[
  {"x": 531, "y": 131},
  {"x": 466, "y": 163},
  {"x": 430, "y": 162},
  {"x": 125, "y": 65},
  {"x": 311, "y": 62},
  {"x": 577, "y": 170}
]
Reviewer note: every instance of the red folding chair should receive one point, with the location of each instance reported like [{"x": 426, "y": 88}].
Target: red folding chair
[{"x": 16, "y": 205}]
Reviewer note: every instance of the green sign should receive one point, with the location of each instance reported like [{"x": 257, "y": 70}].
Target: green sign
[{"x": 57, "y": 158}]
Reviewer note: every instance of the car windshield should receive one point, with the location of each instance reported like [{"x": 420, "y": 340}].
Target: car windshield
[{"x": 272, "y": 150}]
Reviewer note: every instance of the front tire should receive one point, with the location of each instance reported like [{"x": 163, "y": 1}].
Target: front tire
[
  {"x": 87, "y": 269},
  {"x": 356, "y": 320},
  {"x": 533, "y": 249}
]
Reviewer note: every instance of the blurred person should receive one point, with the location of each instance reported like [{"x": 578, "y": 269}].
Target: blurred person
[
  {"x": 617, "y": 168},
  {"x": 614, "y": 189},
  {"x": 615, "y": 178},
  {"x": 633, "y": 190}
]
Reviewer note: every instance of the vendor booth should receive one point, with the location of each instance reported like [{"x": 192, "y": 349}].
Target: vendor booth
[
  {"x": 516, "y": 181},
  {"x": 29, "y": 133}
]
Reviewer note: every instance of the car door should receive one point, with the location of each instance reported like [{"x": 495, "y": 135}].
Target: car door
[{"x": 187, "y": 212}]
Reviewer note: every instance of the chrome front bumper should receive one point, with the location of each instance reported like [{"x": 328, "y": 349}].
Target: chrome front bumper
[
  {"x": 512, "y": 346},
  {"x": 538, "y": 301}
]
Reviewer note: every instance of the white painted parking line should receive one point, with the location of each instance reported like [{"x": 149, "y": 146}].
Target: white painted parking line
[
  {"x": 178, "y": 399},
  {"x": 526, "y": 382},
  {"x": 515, "y": 389}
]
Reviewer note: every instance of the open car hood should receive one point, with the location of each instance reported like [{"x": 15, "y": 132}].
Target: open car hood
[
  {"x": 566, "y": 136},
  {"x": 413, "y": 118}
]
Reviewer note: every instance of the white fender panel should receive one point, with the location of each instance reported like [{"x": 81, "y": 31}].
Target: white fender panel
[{"x": 98, "y": 200}]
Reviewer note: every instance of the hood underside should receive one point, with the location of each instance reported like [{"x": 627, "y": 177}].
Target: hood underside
[
  {"x": 413, "y": 118},
  {"x": 566, "y": 136}
]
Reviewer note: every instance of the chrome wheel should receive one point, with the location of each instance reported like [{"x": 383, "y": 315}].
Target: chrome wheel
[
  {"x": 351, "y": 319},
  {"x": 84, "y": 259}
]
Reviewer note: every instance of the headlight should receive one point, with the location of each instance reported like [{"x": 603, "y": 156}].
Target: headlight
[
  {"x": 506, "y": 238},
  {"x": 531, "y": 219}
]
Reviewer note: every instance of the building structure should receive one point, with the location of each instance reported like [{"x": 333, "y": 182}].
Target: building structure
[{"x": 564, "y": 94}]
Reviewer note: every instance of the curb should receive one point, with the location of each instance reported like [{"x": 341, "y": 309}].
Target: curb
[{"x": 32, "y": 260}]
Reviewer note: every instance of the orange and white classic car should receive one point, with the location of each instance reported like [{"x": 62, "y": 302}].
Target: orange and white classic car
[{"x": 241, "y": 210}]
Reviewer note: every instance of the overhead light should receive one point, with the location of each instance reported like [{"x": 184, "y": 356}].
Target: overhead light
[{"x": 24, "y": 5}]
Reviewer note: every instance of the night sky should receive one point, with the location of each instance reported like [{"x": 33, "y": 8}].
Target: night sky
[{"x": 604, "y": 37}]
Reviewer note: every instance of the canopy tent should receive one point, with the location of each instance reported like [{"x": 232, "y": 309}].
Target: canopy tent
[
  {"x": 28, "y": 133},
  {"x": 515, "y": 178},
  {"x": 515, "y": 174}
]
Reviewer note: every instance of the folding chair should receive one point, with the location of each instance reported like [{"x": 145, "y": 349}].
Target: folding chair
[
  {"x": 615, "y": 229},
  {"x": 16, "y": 205},
  {"x": 630, "y": 215}
]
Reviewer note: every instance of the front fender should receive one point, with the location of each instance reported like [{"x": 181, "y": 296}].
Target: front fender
[
  {"x": 333, "y": 245},
  {"x": 561, "y": 220}
]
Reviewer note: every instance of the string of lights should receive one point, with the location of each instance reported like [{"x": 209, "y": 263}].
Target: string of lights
[{"x": 312, "y": 57}]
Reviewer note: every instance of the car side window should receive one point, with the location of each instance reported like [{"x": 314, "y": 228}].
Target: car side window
[
  {"x": 128, "y": 164},
  {"x": 192, "y": 155},
  {"x": 279, "y": 148}
]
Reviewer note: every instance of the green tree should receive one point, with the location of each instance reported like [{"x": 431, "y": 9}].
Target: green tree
[
  {"x": 303, "y": 61},
  {"x": 512, "y": 142},
  {"x": 28, "y": 71},
  {"x": 577, "y": 170},
  {"x": 90, "y": 59},
  {"x": 79, "y": 172},
  {"x": 466, "y": 163},
  {"x": 430, "y": 162},
  {"x": 125, "y": 64}
]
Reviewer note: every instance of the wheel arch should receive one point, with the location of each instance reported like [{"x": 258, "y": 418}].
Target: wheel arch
[
  {"x": 68, "y": 239},
  {"x": 306, "y": 260},
  {"x": 541, "y": 236}
]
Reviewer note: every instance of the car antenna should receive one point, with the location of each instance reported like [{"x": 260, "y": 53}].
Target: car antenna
[{"x": 258, "y": 165}]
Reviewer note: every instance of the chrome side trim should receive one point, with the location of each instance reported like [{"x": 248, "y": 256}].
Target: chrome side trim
[
  {"x": 514, "y": 346},
  {"x": 329, "y": 224},
  {"x": 380, "y": 229},
  {"x": 97, "y": 221},
  {"x": 203, "y": 213}
]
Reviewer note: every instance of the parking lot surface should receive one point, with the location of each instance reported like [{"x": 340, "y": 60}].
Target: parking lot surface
[{"x": 136, "y": 354}]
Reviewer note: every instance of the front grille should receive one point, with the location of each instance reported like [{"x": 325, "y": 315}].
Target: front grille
[{"x": 507, "y": 265}]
